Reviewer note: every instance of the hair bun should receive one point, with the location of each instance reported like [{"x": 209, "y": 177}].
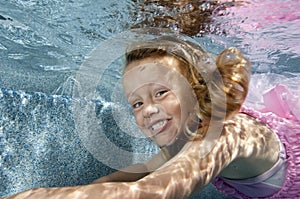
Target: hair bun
[
  {"x": 234, "y": 69},
  {"x": 230, "y": 57}
]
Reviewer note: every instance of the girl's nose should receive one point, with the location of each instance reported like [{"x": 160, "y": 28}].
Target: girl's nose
[{"x": 150, "y": 110}]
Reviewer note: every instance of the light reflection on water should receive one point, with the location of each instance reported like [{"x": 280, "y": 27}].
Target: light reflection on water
[
  {"x": 57, "y": 35},
  {"x": 268, "y": 31}
]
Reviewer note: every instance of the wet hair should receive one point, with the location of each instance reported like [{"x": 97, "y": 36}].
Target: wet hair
[{"x": 219, "y": 83}]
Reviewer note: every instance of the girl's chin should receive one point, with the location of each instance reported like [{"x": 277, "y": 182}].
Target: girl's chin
[
  {"x": 165, "y": 143},
  {"x": 165, "y": 139}
]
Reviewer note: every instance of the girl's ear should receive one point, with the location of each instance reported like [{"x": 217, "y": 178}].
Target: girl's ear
[{"x": 234, "y": 69}]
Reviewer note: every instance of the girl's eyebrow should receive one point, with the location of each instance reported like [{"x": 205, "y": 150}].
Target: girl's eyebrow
[
  {"x": 132, "y": 97},
  {"x": 155, "y": 85}
]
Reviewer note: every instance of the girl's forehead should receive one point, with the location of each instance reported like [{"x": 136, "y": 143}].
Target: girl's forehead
[{"x": 148, "y": 74}]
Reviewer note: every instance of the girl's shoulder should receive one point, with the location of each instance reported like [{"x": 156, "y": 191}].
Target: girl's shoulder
[{"x": 245, "y": 124}]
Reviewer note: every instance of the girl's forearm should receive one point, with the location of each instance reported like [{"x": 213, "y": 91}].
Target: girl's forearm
[
  {"x": 241, "y": 138},
  {"x": 95, "y": 191}
]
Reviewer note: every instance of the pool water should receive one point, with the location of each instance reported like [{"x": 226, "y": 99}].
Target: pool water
[{"x": 44, "y": 43}]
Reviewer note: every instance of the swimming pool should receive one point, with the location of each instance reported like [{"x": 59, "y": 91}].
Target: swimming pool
[{"x": 44, "y": 43}]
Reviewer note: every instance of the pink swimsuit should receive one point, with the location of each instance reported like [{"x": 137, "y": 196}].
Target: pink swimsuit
[{"x": 283, "y": 179}]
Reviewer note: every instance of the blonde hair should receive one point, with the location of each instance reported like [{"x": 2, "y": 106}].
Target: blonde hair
[{"x": 224, "y": 78}]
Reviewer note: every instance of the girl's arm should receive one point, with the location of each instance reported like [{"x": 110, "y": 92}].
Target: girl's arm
[
  {"x": 176, "y": 179},
  {"x": 242, "y": 138},
  {"x": 99, "y": 189},
  {"x": 245, "y": 144}
]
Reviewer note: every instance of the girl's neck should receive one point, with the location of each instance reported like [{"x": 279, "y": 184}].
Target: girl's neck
[{"x": 173, "y": 149}]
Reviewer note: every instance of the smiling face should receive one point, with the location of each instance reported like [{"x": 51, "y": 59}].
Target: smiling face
[{"x": 160, "y": 96}]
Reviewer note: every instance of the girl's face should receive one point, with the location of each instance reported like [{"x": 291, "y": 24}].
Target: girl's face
[{"x": 160, "y": 96}]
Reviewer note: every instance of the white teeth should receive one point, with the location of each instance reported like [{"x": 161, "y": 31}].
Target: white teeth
[{"x": 159, "y": 125}]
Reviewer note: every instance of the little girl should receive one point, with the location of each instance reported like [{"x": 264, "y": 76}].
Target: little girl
[{"x": 190, "y": 103}]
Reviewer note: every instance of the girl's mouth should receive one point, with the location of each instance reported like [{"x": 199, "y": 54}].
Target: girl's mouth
[{"x": 158, "y": 127}]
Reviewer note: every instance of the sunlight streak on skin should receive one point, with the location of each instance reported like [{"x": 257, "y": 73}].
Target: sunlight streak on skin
[{"x": 200, "y": 173}]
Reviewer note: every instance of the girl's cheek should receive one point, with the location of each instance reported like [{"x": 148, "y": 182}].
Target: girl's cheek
[
  {"x": 173, "y": 104},
  {"x": 138, "y": 118}
]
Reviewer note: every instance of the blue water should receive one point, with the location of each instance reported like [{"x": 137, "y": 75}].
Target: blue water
[{"x": 43, "y": 44}]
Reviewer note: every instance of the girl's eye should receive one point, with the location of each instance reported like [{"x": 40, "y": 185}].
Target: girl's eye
[
  {"x": 161, "y": 93},
  {"x": 137, "y": 105}
]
